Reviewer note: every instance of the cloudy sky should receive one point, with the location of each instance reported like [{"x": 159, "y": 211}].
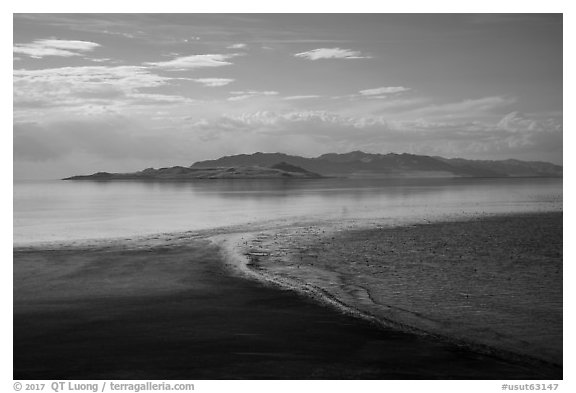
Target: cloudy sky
[{"x": 119, "y": 92}]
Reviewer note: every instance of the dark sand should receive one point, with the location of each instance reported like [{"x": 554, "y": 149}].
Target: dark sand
[
  {"x": 493, "y": 283},
  {"x": 172, "y": 310}
]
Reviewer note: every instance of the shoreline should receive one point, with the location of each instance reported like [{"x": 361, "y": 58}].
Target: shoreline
[
  {"x": 254, "y": 254},
  {"x": 233, "y": 244},
  {"x": 326, "y": 222},
  {"x": 238, "y": 262}
]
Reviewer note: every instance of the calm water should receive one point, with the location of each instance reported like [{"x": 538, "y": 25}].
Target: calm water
[{"x": 59, "y": 210}]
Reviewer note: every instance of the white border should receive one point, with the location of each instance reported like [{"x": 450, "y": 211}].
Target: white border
[{"x": 303, "y": 6}]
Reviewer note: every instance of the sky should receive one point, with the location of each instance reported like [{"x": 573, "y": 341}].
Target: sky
[{"x": 123, "y": 92}]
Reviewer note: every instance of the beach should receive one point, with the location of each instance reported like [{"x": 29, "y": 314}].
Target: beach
[
  {"x": 184, "y": 306},
  {"x": 493, "y": 283}
]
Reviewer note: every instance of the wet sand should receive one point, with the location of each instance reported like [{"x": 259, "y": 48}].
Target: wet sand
[
  {"x": 493, "y": 284},
  {"x": 172, "y": 309}
]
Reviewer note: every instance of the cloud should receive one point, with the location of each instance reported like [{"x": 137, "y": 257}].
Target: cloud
[
  {"x": 214, "y": 82},
  {"x": 69, "y": 87},
  {"x": 331, "y": 53},
  {"x": 469, "y": 108},
  {"x": 243, "y": 95},
  {"x": 518, "y": 122},
  {"x": 124, "y": 77},
  {"x": 156, "y": 99},
  {"x": 237, "y": 46},
  {"x": 303, "y": 97},
  {"x": 49, "y": 47},
  {"x": 102, "y": 60},
  {"x": 290, "y": 120},
  {"x": 194, "y": 61},
  {"x": 383, "y": 90}
]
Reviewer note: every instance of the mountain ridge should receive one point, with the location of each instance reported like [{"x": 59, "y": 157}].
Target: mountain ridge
[
  {"x": 279, "y": 171},
  {"x": 353, "y": 164},
  {"x": 361, "y": 164}
]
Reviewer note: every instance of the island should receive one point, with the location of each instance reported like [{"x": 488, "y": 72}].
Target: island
[
  {"x": 356, "y": 164},
  {"x": 281, "y": 170}
]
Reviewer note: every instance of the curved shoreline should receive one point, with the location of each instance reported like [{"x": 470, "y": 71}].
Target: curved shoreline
[
  {"x": 229, "y": 241},
  {"x": 175, "y": 311},
  {"x": 236, "y": 250},
  {"x": 236, "y": 260}
]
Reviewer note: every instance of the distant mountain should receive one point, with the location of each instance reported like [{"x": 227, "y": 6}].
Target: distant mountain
[
  {"x": 512, "y": 168},
  {"x": 354, "y": 164},
  {"x": 283, "y": 166},
  {"x": 278, "y": 171},
  {"x": 360, "y": 164}
]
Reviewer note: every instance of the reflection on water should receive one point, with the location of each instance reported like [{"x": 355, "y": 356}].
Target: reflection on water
[{"x": 59, "y": 210}]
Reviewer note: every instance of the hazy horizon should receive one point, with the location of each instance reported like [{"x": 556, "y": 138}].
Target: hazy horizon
[{"x": 122, "y": 92}]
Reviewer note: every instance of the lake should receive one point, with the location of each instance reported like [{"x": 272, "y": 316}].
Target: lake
[{"x": 55, "y": 210}]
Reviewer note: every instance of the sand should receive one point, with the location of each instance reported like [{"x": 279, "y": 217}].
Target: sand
[
  {"x": 493, "y": 284},
  {"x": 186, "y": 306}
]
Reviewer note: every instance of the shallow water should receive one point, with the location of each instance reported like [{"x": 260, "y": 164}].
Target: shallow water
[
  {"x": 148, "y": 313},
  {"x": 66, "y": 210}
]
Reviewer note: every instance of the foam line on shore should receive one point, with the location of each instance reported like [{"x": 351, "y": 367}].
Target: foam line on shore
[
  {"x": 234, "y": 248},
  {"x": 235, "y": 259}
]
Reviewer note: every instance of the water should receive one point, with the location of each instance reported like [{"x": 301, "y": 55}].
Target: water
[{"x": 61, "y": 211}]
